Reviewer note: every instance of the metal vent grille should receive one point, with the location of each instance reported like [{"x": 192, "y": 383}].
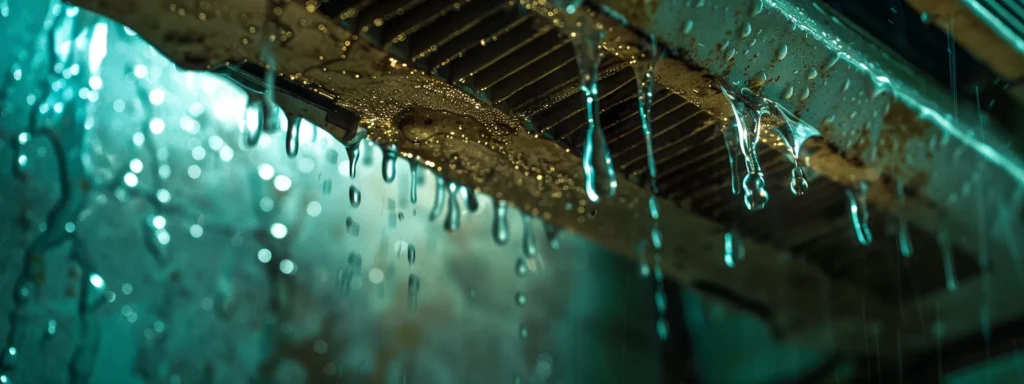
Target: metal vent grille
[
  {"x": 518, "y": 61},
  {"x": 1005, "y": 17}
]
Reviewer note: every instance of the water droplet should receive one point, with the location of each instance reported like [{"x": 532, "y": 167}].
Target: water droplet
[
  {"x": 746, "y": 30},
  {"x": 413, "y": 181},
  {"x": 411, "y": 254},
  {"x": 734, "y": 250},
  {"x": 454, "y": 220},
  {"x": 906, "y": 247},
  {"x": 599, "y": 173},
  {"x": 859, "y": 213},
  {"x": 353, "y": 159},
  {"x": 520, "y": 299},
  {"x": 688, "y": 27},
  {"x": 439, "y": 195},
  {"x": 354, "y": 196},
  {"x": 552, "y": 232},
  {"x": 388, "y": 168},
  {"x": 732, "y": 150},
  {"x": 783, "y": 50},
  {"x": 787, "y": 93},
  {"x": 349, "y": 278},
  {"x": 748, "y": 133},
  {"x": 414, "y": 291},
  {"x": 253, "y": 128},
  {"x": 529, "y": 245},
  {"x": 523, "y": 332},
  {"x": 812, "y": 73},
  {"x": 291, "y": 140},
  {"x": 521, "y": 267},
  {"x": 946, "y": 250},
  {"x": 471, "y": 201},
  {"x": 798, "y": 184},
  {"x": 500, "y": 227}
]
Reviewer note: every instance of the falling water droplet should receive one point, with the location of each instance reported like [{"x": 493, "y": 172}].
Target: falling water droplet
[
  {"x": 748, "y": 133},
  {"x": 390, "y": 158},
  {"x": 353, "y": 158},
  {"x": 500, "y": 227},
  {"x": 644, "y": 74},
  {"x": 454, "y": 220},
  {"x": 859, "y": 213},
  {"x": 354, "y": 196},
  {"x": 798, "y": 182},
  {"x": 439, "y": 195},
  {"x": 521, "y": 267},
  {"x": 599, "y": 173},
  {"x": 906, "y": 246},
  {"x": 291, "y": 139},
  {"x": 520, "y": 299},
  {"x": 20, "y": 166},
  {"x": 730, "y": 259},
  {"x": 734, "y": 250},
  {"x": 414, "y": 291},
  {"x": 413, "y": 179},
  {"x": 411, "y": 254},
  {"x": 529, "y": 245},
  {"x": 946, "y": 251},
  {"x": 552, "y": 232}
]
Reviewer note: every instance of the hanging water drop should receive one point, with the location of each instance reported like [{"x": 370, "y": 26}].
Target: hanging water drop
[
  {"x": 388, "y": 168},
  {"x": 471, "y": 201},
  {"x": 529, "y": 245},
  {"x": 906, "y": 247},
  {"x": 946, "y": 251},
  {"x": 732, "y": 149},
  {"x": 253, "y": 125},
  {"x": 748, "y": 133},
  {"x": 520, "y": 299},
  {"x": 500, "y": 227},
  {"x": 354, "y": 196},
  {"x": 454, "y": 220},
  {"x": 410, "y": 253},
  {"x": 414, "y": 291},
  {"x": 413, "y": 171},
  {"x": 859, "y": 213},
  {"x": 291, "y": 139},
  {"x": 353, "y": 158},
  {"x": 599, "y": 173},
  {"x": 798, "y": 182},
  {"x": 439, "y": 195}
]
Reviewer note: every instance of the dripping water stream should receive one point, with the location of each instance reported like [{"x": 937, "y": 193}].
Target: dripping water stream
[
  {"x": 645, "y": 94},
  {"x": 748, "y": 134},
  {"x": 598, "y": 171}
]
